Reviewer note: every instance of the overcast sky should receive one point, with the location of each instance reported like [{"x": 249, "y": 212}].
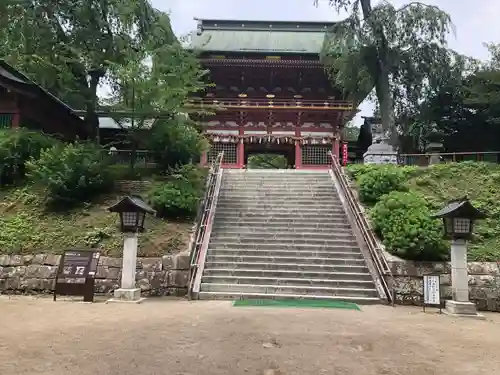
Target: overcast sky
[{"x": 476, "y": 21}]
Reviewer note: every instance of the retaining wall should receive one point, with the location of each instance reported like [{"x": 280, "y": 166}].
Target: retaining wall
[{"x": 36, "y": 274}]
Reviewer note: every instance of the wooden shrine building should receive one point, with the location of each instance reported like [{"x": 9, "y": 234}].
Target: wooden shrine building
[
  {"x": 24, "y": 103},
  {"x": 271, "y": 90}
]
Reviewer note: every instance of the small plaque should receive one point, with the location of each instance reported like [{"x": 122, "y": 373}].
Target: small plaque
[{"x": 75, "y": 276}]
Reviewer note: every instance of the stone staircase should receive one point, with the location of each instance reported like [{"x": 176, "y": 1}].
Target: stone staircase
[{"x": 283, "y": 234}]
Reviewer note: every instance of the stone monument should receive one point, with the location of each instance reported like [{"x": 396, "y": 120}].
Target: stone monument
[{"x": 380, "y": 152}]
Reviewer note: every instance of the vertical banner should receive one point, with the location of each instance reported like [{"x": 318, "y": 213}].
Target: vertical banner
[{"x": 344, "y": 153}]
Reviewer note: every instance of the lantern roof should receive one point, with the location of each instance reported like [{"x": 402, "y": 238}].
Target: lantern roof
[
  {"x": 460, "y": 208},
  {"x": 133, "y": 203}
]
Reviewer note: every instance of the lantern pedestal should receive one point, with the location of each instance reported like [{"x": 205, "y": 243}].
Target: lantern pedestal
[
  {"x": 460, "y": 304},
  {"x": 128, "y": 292}
]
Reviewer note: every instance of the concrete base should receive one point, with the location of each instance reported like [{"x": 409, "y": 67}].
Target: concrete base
[
  {"x": 127, "y": 295},
  {"x": 462, "y": 310}
]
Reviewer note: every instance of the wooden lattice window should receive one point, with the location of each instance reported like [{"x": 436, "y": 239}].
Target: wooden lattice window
[
  {"x": 316, "y": 154},
  {"x": 229, "y": 152},
  {"x": 5, "y": 121}
]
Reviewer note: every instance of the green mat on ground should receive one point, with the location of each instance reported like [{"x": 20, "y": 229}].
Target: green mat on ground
[{"x": 296, "y": 303}]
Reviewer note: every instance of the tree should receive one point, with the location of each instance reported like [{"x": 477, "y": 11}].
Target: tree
[
  {"x": 67, "y": 46},
  {"x": 154, "y": 86},
  {"x": 401, "y": 52}
]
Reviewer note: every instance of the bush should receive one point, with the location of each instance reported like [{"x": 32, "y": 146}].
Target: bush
[
  {"x": 17, "y": 146},
  {"x": 175, "y": 142},
  {"x": 355, "y": 171},
  {"x": 72, "y": 173},
  {"x": 403, "y": 222},
  {"x": 380, "y": 181},
  {"x": 180, "y": 195}
]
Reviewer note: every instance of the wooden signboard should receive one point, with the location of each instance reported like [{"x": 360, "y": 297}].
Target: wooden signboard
[{"x": 76, "y": 273}]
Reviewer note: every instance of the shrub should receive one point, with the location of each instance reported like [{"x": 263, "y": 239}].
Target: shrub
[
  {"x": 380, "y": 181},
  {"x": 175, "y": 142},
  {"x": 72, "y": 173},
  {"x": 403, "y": 222},
  {"x": 17, "y": 146},
  {"x": 355, "y": 171},
  {"x": 180, "y": 195}
]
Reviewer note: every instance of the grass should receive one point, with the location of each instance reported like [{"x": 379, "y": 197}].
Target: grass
[
  {"x": 27, "y": 228},
  {"x": 480, "y": 182}
]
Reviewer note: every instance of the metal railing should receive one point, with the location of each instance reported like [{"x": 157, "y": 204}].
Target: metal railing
[
  {"x": 448, "y": 157},
  {"x": 203, "y": 220},
  {"x": 143, "y": 158},
  {"x": 381, "y": 265}
]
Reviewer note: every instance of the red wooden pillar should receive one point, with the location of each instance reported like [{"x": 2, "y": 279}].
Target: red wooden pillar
[
  {"x": 298, "y": 148},
  {"x": 298, "y": 155},
  {"x": 336, "y": 148},
  {"x": 16, "y": 120},
  {"x": 240, "y": 156},
  {"x": 204, "y": 159}
]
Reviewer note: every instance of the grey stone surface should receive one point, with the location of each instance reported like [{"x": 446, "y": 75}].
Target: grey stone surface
[
  {"x": 36, "y": 273},
  {"x": 274, "y": 230}
]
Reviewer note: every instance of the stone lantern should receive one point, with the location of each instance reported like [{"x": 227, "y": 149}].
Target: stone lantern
[
  {"x": 132, "y": 211},
  {"x": 458, "y": 218}
]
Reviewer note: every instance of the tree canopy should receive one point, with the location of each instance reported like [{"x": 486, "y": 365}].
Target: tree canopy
[
  {"x": 402, "y": 53},
  {"x": 68, "y": 46}
]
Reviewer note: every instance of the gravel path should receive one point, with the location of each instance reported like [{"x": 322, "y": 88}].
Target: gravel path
[{"x": 172, "y": 337}]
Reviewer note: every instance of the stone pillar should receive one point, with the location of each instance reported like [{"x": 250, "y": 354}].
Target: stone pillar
[
  {"x": 298, "y": 155},
  {"x": 128, "y": 291},
  {"x": 460, "y": 304}
]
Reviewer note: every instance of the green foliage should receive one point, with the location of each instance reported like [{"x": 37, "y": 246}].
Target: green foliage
[
  {"x": 180, "y": 195},
  {"x": 267, "y": 161},
  {"x": 28, "y": 228},
  {"x": 175, "y": 142},
  {"x": 402, "y": 219},
  {"x": 17, "y": 146},
  {"x": 401, "y": 52},
  {"x": 380, "y": 181},
  {"x": 71, "y": 174}
]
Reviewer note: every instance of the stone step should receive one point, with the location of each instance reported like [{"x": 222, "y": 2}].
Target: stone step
[
  {"x": 273, "y": 246},
  {"x": 278, "y": 296},
  {"x": 280, "y": 216},
  {"x": 249, "y": 194},
  {"x": 274, "y": 266},
  {"x": 290, "y": 232},
  {"x": 275, "y": 223},
  {"x": 234, "y": 252},
  {"x": 241, "y": 272},
  {"x": 280, "y": 201},
  {"x": 281, "y": 243},
  {"x": 289, "y": 289},
  {"x": 249, "y": 280},
  {"x": 326, "y": 210},
  {"x": 318, "y": 206},
  {"x": 331, "y": 261}
]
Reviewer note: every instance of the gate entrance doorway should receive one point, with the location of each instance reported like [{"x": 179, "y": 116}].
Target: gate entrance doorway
[{"x": 269, "y": 156}]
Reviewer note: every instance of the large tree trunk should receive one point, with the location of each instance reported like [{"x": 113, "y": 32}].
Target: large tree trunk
[
  {"x": 91, "y": 118},
  {"x": 381, "y": 74}
]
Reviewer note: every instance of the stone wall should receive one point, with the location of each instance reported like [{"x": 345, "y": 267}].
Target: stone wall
[
  {"x": 36, "y": 274},
  {"x": 484, "y": 281}
]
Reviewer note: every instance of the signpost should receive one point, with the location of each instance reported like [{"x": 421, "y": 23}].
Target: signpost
[
  {"x": 76, "y": 274},
  {"x": 432, "y": 292},
  {"x": 344, "y": 154}
]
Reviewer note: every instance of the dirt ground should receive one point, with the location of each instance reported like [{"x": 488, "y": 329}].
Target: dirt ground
[{"x": 38, "y": 336}]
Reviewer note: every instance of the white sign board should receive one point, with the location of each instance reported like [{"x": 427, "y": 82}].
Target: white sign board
[{"x": 432, "y": 294}]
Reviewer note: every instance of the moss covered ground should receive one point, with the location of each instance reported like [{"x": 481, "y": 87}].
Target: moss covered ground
[
  {"x": 27, "y": 227},
  {"x": 480, "y": 182}
]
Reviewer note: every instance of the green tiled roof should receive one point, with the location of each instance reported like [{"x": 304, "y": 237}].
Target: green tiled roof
[{"x": 265, "y": 37}]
